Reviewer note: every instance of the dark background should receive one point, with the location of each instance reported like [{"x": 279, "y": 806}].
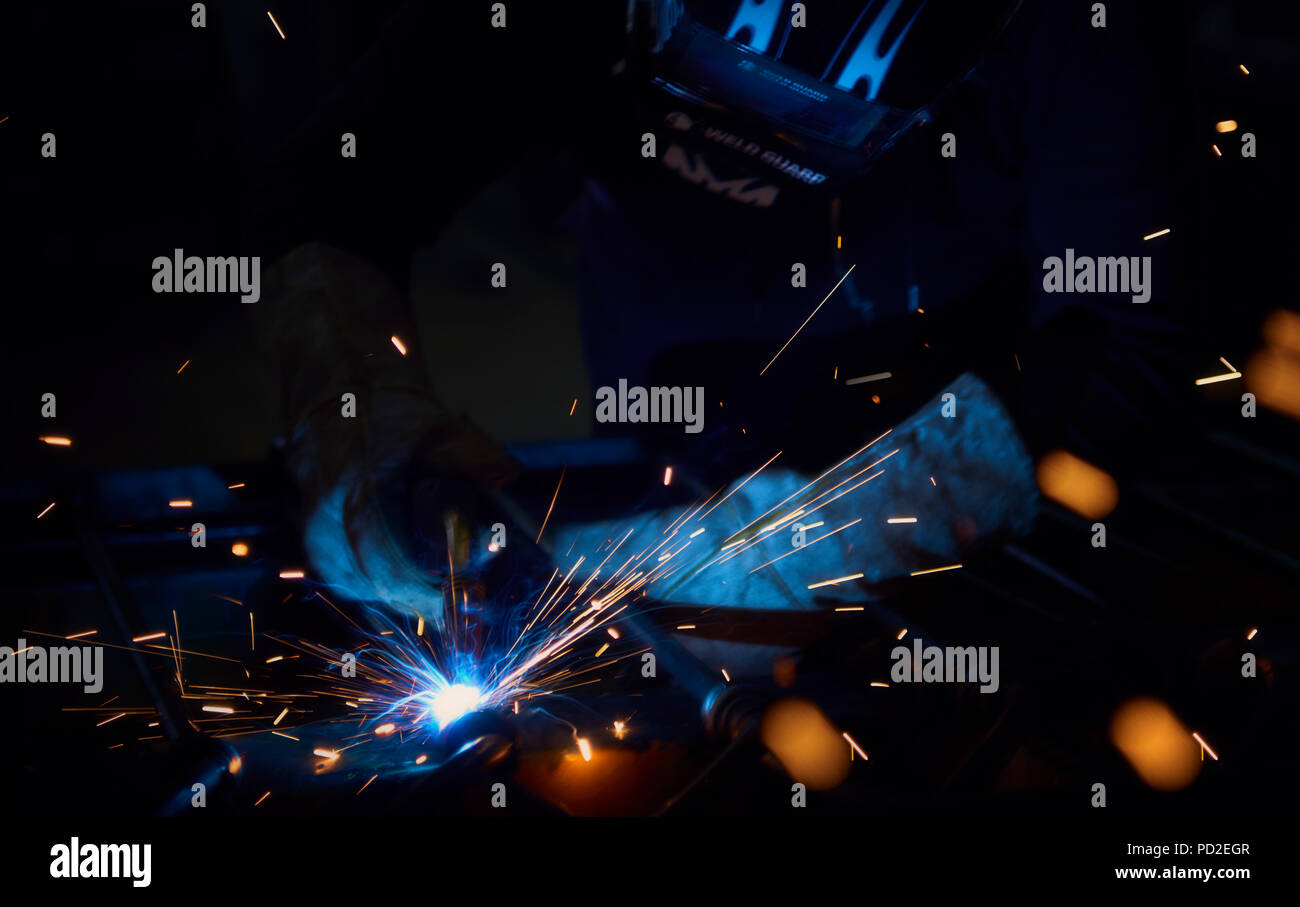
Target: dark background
[{"x": 225, "y": 141}]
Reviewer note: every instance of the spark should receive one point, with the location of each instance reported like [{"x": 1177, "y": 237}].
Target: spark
[
  {"x": 832, "y": 582},
  {"x": 219, "y": 709},
  {"x": 291, "y": 574},
  {"x": 584, "y": 747},
  {"x": 262, "y": 798},
  {"x": 879, "y": 683},
  {"x": 668, "y": 475},
  {"x": 785, "y": 519},
  {"x": 699, "y": 531},
  {"x": 237, "y": 485},
  {"x": 851, "y": 608},
  {"x": 109, "y": 720},
  {"x": 1225, "y": 126},
  {"x": 180, "y": 503},
  {"x": 601, "y": 650},
  {"x": 149, "y": 636},
  {"x": 1228, "y": 365},
  {"x": 419, "y": 628},
  {"x": 619, "y": 729},
  {"x": 421, "y": 759},
  {"x": 56, "y": 440},
  {"x": 1253, "y": 631},
  {"x": 287, "y": 736},
  {"x": 726, "y": 676},
  {"x": 901, "y": 519},
  {"x": 807, "y": 544},
  {"x": 367, "y": 784},
  {"x": 239, "y": 549},
  {"x": 1215, "y": 379},
  {"x": 878, "y": 376},
  {"x": 1205, "y": 746},
  {"x": 808, "y": 319},
  {"x": 612, "y": 631},
  {"x": 1215, "y": 149},
  {"x": 933, "y": 482},
  {"x": 552, "y": 507},
  {"x": 52, "y": 503},
  {"x": 1157, "y": 233},
  {"x": 936, "y": 570},
  {"x": 1241, "y": 65},
  {"x": 901, "y": 633},
  {"x": 854, "y": 745},
  {"x": 397, "y": 342},
  {"x": 81, "y": 634},
  {"x": 686, "y": 626},
  {"x": 325, "y": 754},
  {"x": 574, "y": 406},
  {"x": 742, "y": 485},
  {"x": 280, "y": 717},
  {"x": 277, "y": 25}
]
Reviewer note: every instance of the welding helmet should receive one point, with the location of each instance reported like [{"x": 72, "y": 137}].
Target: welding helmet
[{"x": 759, "y": 100}]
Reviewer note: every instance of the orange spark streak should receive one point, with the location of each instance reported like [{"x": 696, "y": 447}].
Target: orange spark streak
[
  {"x": 936, "y": 570},
  {"x": 853, "y": 743},
  {"x": 832, "y": 582},
  {"x": 808, "y": 319},
  {"x": 1209, "y": 749},
  {"x": 552, "y": 507}
]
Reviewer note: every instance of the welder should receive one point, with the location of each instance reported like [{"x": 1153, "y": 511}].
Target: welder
[{"x": 952, "y": 148}]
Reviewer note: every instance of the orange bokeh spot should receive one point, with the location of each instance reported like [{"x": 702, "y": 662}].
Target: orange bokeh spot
[
  {"x": 1077, "y": 485},
  {"x": 807, "y": 745},
  {"x": 1158, "y": 746}
]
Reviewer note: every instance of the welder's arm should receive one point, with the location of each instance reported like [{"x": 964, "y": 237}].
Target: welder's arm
[
  {"x": 956, "y": 466},
  {"x": 361, "y": 425}
]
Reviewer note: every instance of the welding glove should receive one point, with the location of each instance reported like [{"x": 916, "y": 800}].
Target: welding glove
[
  {"x": 387, "y": 475},
  {"x": 953, "y": 476}
]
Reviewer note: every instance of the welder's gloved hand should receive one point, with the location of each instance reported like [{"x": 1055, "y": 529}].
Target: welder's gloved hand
[
  {"x": 388, "y": 476},
  {"x": 967, "y": 480}
]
